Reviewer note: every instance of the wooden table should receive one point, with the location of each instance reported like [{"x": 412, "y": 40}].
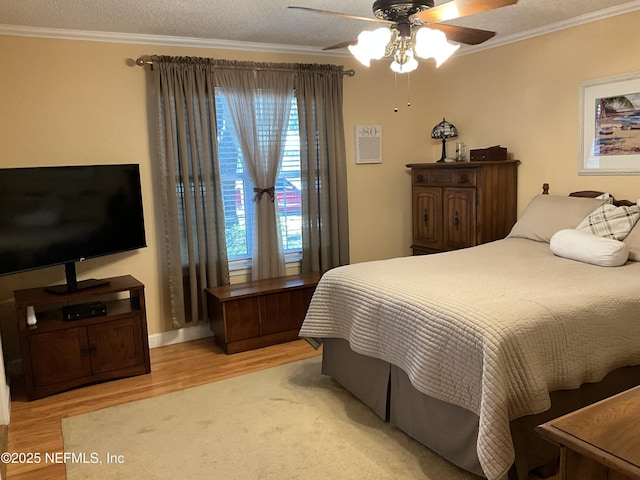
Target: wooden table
[{"x": 600, "y": 441}]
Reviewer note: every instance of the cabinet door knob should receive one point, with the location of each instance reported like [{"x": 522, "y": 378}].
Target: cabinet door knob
[
  {"x": 464, "y": 178},
  {"x": 420, "y": 178},
  {"x": 84, "y": 351},
  {"x": 425, "y": 217},
  {"x": 456, "y": 220}
]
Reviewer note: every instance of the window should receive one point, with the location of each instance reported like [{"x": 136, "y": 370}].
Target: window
[{"x": 237, "y": 190}]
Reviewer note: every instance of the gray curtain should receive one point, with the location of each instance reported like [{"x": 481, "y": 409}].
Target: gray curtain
[
  {"x": 190, "y": 171},
  {"x": 259, "y": 102},
  {"x": 190, "y": 182},
  {"x": 325, "y": 224}
]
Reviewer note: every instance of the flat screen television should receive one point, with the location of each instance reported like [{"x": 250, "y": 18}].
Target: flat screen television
[{"x": 63, "y": 215}]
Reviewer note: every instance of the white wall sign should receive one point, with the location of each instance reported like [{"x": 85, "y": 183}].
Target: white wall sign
[{"x": 368, "y": 144}]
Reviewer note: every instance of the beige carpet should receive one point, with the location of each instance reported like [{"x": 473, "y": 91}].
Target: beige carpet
[{"x": 288, "y": 422}]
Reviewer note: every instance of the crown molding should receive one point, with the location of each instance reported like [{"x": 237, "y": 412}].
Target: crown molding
[
  {"x": 554, "y": 27},
  {"x": 164, "y": 40},
  {"x": 140, "y": 39}
]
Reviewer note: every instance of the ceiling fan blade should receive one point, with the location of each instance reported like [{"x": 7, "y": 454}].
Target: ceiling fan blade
[
  {"x": 344, "y": 15},
  {"x": 470, "y": 36},
  {"x": 341, "y": 45},
  {"x": 459, "y": 8}
]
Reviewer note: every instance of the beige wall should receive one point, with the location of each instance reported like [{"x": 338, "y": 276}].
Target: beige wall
[
  {"x": 78, "y": 102},
  {"x": 525, "y": 96}
]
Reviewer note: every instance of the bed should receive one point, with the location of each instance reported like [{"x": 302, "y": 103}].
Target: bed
[{"x": 467, "y": 351}]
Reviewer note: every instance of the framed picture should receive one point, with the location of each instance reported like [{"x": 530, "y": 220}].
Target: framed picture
[
  {"x": 368, "y": 144},
  {"x": 610, "y": 126}
]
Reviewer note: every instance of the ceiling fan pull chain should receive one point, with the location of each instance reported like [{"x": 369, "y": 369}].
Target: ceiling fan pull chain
[
  {"x": 408, "y": 89},
  {"x": 395, "y": 92}
]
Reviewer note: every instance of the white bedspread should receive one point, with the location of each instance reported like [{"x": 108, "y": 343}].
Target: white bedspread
[{"x": 491, "y": 329}]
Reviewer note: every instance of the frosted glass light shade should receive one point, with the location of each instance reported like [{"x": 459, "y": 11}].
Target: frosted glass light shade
[
  {"x": 371, "y": 45},
  {"x": 432, "y": 43},
  {"x": 360, "y": 53},
  {"x": 409, "y": 65}
]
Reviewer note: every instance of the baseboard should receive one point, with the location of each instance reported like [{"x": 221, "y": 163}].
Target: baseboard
[{"x": 179, "y": 336}]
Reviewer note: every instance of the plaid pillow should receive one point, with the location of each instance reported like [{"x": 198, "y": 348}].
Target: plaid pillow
[{"x": 610, "y": 221}]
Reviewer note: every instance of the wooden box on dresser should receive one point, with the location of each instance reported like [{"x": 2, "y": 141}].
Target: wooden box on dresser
[
  {"x": 59, "y": 354},
  {"x": 462, "y": 204}
]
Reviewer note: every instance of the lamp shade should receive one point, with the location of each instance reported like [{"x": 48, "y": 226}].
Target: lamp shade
[{"x": 444, "y": 130}]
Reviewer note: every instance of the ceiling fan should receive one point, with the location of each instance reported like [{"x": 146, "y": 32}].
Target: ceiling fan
[{"x": 414, "y": 28}]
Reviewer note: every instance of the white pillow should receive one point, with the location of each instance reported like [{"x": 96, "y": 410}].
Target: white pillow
[
  {"x": 610, "y": 221},
  {"x": 588, "y": 248}
]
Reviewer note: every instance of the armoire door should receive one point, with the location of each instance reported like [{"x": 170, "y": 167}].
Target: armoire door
[
  {"x": 459, "y": 218},
  {"x": 427, "y": 220}
]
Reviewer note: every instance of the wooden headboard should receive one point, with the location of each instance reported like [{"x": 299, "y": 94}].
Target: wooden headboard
[{"x": 591, "y": 194}]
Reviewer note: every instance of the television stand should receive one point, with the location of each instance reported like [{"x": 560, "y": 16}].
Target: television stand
[
  {"x": 73, "y": 285},
  {"x": 59, "y": 354},
  {"x": 81, "y": 285}
]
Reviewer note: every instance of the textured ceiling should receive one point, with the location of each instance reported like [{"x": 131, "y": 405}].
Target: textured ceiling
[{"x": 270, "y": 22}]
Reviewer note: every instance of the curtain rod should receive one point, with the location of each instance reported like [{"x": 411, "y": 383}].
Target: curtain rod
[{"x": 140, "y": 61}]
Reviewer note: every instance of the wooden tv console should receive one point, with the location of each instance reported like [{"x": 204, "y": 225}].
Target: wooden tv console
[{"x": 58, "y": 355}]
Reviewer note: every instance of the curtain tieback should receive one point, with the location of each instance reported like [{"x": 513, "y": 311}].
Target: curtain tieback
[{"x": 271, "y": 191}]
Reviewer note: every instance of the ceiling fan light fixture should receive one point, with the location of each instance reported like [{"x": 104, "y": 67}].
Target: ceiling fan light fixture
[
  {"x": 406, "y": 19},
  {"x": 430, "y": 43},
  {"x": 403, "y": 48},
  {"x": 404, "y": 61},
  {"x": 446, "y": 50},
  {"x": 372, "y": 45},
  {"x": 360, "y": 53}
]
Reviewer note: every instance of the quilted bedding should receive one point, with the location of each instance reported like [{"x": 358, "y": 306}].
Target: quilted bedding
[{"x": 492, "y": 329}]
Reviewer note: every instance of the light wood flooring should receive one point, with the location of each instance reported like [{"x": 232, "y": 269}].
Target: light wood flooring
[{"x": 36, "y": 426}]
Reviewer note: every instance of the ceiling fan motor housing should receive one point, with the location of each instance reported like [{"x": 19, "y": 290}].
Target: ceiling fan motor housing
[{"x": 398, "y": 11}]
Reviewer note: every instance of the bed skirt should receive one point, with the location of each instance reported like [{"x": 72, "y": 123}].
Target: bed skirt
[{"x": 447, "y": 429}]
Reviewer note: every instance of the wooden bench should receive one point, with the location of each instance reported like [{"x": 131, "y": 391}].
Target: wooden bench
[{"x": 255, "y": 314}]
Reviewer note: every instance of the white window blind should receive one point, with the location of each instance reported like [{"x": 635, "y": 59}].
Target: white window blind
[{"x": 237, "y": 189}]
